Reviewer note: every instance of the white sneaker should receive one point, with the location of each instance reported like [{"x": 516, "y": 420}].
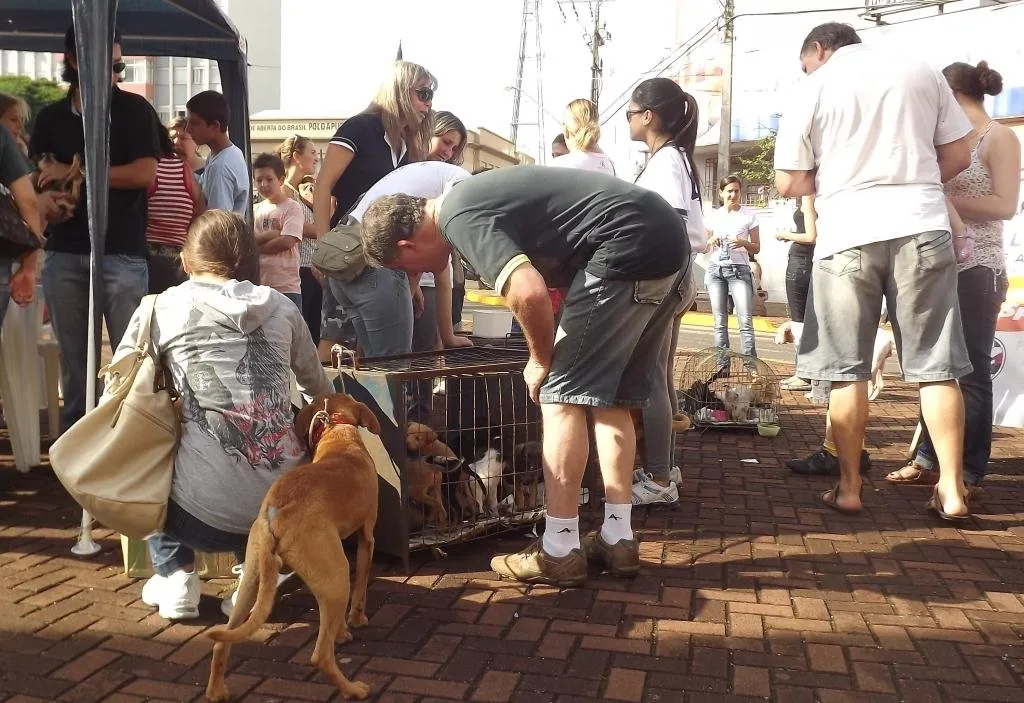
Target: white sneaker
[
  {"x": 176, "y": 596},
  {"x": 674, "y": 475},
  {"x": 647, "y": 492},
  {"x": 228, "y": 604}
]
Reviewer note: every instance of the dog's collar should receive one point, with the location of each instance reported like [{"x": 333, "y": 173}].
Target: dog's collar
[{"x": 323, "y": 421}]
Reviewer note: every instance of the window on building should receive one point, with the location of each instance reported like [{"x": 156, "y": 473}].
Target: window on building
[
  {"x": 181, "y": 95},
  {"x": 180, "y": 75},
  {"x": 134, "y": 71},
  {"x": 198, "y": 75},
  {"x": 163, "y": 95},
  {"x": 163, "y": 62}
]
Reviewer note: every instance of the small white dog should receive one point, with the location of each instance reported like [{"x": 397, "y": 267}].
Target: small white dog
[
  {"x": 489, "y": 468},
  {"x": 736, "y": 399}
]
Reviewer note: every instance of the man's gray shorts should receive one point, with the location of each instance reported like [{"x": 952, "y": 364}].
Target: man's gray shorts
[
  {"x": 608, "y": 341},
  {"x": 917, "y": 277}
]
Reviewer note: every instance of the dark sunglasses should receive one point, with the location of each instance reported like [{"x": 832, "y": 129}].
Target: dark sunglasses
[
  {"x": 425, "y": 94},
  {"x": 119, "y": 67},
  {"x": 630, "y": 113}
]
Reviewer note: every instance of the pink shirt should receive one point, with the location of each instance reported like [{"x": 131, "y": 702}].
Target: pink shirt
[{"x": 280, "y": 271}]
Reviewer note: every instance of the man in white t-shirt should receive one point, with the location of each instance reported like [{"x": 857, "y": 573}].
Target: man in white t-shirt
[{"x": 874, "y": 136}]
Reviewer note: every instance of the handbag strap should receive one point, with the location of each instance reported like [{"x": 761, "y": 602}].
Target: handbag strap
[{"x": 144, "y": 343}]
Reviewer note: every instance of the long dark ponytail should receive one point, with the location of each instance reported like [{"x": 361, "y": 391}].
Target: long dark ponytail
[{"x": 676, "y": 110}]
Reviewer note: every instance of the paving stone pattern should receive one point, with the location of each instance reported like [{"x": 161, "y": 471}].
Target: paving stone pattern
[{"x": 749, "y": 592}]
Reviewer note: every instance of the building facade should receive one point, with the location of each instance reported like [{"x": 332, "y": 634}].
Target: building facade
[
  {"x": 168, "y": 82},
  {"x": 484, "y": 148},
  {"x": 33, "y": 65}
]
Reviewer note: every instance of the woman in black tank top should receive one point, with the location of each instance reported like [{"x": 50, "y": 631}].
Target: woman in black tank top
[{"x": 798, "y": 270}]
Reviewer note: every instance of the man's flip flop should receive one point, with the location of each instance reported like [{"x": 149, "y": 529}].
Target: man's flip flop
[
  {"x": 830, "y": 499},
  {"x": 935, "y": 506}
]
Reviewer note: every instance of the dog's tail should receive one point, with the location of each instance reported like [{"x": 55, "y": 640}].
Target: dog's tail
[{"x": 268, "y": 564}]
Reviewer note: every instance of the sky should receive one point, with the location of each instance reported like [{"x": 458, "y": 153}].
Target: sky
[
  {"x": 472, "y": 47},
  {"x": 335, "y": 52}
]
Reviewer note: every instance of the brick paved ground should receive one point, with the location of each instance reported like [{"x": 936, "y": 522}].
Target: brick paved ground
[{"x": 749, "y": 593}]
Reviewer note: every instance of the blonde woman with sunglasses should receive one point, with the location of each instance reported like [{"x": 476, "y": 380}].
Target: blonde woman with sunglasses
[{"x": 395, "y": 129}]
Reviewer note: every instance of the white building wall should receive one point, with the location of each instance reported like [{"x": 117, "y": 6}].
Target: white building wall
[
  {"x": 176, "y": 79},
  {"x": 33, "y": 65},
  {"x": 259, "y": 22}
]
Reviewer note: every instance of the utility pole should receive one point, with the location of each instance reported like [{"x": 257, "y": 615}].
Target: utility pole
[
  {"x": 725, "y": 123},
  {"x": 595, "y": 51},
  {"x": 517, "y": 98},
  {"x": 542, "y": 144}
]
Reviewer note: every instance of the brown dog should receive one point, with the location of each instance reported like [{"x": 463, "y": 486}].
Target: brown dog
[
  {"x": 61, "y": 194},
  {"x": 304, "y": 517},
  {"x": 526, "y": 469},
  {"x": 424, "y": 476}
]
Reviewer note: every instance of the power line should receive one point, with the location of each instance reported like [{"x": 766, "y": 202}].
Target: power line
[
  {"x": 681, "y": 50},
  {"x": 579, "y": 20},
  {"x": 908, "y": 4}
]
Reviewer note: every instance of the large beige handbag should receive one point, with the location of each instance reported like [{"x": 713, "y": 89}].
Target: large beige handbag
[{"x": 117, "y": 461}]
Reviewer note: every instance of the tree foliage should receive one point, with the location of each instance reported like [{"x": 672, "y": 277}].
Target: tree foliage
[
  {"x": 758, "y": 167},
  {"x": 37, "y": 92}
]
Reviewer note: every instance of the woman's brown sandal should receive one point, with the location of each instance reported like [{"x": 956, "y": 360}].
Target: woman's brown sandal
[{"x": 921, "y": 477}]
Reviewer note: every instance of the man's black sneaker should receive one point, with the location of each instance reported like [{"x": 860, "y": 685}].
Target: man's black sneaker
[{"x": 821, "y": 463}]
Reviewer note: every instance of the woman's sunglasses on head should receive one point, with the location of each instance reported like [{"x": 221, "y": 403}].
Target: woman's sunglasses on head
[{"x": 425, "y": 94}]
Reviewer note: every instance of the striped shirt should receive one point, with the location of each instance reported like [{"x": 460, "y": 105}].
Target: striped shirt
[{"x": 171, "y": 207}]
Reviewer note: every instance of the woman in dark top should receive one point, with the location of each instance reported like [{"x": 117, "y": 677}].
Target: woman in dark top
[
  {"x": 16, "y": 179},
  {"x": 798, "y": 271},
  {"x": 394, "y": 130}
]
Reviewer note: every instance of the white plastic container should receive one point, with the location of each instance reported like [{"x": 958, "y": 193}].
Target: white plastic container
[{"x": 492, "y": 323}]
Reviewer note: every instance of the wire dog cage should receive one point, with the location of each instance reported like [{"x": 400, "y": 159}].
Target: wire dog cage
[
  {"x": 463, "y": 438},
  {"x": 718, "y": 388}
]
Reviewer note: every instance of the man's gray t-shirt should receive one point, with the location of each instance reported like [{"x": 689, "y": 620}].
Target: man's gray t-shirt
[
  {"x": 563, "y": 220},
  {"x": 225, "y": 181}
]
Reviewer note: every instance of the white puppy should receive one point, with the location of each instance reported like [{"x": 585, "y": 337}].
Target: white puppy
[{"x": 489, "y": 469}]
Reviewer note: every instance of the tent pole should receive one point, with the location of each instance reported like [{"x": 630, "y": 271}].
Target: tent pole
[
  {"x": 94, "y": 27},
  {"x": 86, "y": 546}
]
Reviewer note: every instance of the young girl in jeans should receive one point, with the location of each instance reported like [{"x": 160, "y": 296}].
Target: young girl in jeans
[
  {"x": 733, "y": 235},
  {"x": 228, "y": 345}
]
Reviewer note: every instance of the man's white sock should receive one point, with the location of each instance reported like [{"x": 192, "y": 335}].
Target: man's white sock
[
  {"x": 561, "y": 535},
  {"x": 617, "y": 524}
]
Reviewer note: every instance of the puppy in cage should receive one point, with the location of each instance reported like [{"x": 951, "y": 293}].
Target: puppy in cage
[
  {"x": 429, "y": 460},
  {"x": 488, "y": 471},
  {"x": 524, "y": 476}
]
